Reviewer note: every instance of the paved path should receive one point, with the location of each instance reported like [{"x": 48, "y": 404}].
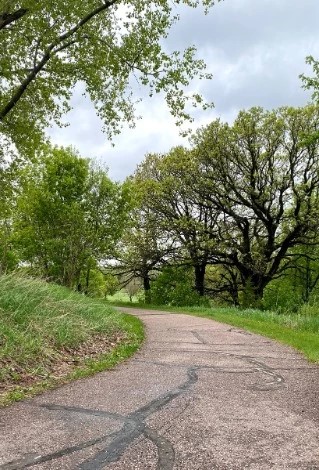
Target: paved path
[{"x": 199, "y": 395}]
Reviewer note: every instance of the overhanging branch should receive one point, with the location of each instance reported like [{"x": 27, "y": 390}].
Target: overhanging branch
[
  {"x": 52, "y": 49},
  {"x": 8, "y": 18}
]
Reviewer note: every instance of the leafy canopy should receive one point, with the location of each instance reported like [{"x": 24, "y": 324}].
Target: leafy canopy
[
  {"x": 69, "y": 217},
  {"x": 242, "y": 198}
]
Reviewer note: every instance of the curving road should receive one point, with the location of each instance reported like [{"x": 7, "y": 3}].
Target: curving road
[{"x": 199, "y": 395}]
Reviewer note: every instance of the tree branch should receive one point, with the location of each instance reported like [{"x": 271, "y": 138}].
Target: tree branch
[
  {"x": 8, "y": 18},
  {"x": 48, "y": 54}
]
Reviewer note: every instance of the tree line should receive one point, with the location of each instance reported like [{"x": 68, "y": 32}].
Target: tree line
[
  {"x": 232, "y": 215},
  {"x": 63, "y": 216}
]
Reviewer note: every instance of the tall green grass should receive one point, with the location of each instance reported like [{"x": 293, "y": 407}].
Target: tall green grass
[
  {"x": 295, "y": 321},
  {"x": 39, "y": 322}
]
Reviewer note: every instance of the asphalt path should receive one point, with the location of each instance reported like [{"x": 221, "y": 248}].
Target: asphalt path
[{"x": 199, "y": 395}]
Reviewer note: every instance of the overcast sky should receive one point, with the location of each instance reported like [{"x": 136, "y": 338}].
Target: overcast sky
[{"x": 256, "y": 51}]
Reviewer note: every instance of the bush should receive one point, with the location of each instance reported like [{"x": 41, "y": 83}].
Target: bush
[
  {"x": 174, "y": 286},
  {"x": 282, "y": 295}
]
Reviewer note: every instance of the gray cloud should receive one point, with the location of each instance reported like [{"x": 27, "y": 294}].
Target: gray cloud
[{"x": 234, "y": 26}]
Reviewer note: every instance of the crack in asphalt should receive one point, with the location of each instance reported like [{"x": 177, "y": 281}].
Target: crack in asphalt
[
  {"x": 277, "y": 379},
  {"x": 133, "y": 427},
  {"x": 199, "y": 337},
  {"x": 78, "y": 409},
  {"x": 34, "y": 459},
  {"x": 166, "y": 453},
  {"x": 165, "y": 450},
  {"x": 223, "y": 370},
  {"x": 241, "y": 332}
]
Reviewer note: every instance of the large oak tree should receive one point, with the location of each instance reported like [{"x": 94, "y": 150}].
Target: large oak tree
[
  {"x": 262, "y": 176},
  {"x": 166, "y": 183}
]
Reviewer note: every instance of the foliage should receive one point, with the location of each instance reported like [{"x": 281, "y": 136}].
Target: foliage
[
  {"x": 222, "y": 284},
  {"x": 112, "y": 285},
  {"x": 132, "y": 288},
  {"x": 282, "y": 295},
  {"x": 174, "y": 286},
  {"x": 164, "y": 183},
  {"x": 142, "y": 250},
  {"x": 92, "y": 282},
  {"x": 9, "y": 184},
  {"x": 70, "y": 215},
  {"x": 261, "y": 175},
  {"x": 298, "y": 285},
  {"x": 46, "y": 49},
  {"x": 244, "y": 199}
]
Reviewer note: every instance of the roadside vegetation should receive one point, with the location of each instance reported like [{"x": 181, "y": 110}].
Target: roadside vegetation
[
  {"x": 49, "y": 335},
  {"x": 226, "y": 227}
]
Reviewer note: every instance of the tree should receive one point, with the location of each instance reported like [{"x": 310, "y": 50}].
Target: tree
[
  {"x": 10, "y": 187},
  {"x": 112, "y": 285},
  {"x": 312, "y": 83},
  {"x": 132, "y": 288},
  {"x": 69, "y": 217},
  {"x": 165, "y": 182},
  {"x": 142, "y": 250},
  {"x": 106, "y": 207},
  {"x": 303, "y": 272},
  {"x": 262, "y": 176},
  {"x": 46, "y": 49},
  {"x": 174, "y": 286},
  {"x": 223, "y": 284}
]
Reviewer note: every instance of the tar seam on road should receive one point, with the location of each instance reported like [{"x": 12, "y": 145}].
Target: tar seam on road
[
  {"x": 134, "y": 426},
  {"x": 165, "y": 450}
]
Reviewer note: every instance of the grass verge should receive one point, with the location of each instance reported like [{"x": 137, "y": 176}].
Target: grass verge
[
  {"x": 297, "y": 330},
  {"x": 49, "y": 336}
]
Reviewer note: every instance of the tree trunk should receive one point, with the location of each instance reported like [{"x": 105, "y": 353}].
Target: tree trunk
[
  {"x": 87, "y": 279},
  {"x": 233, "y": 289},
  {"x": 147, "y": 289},
  {"x": 200, "y": 278},
  {"x": 254, "y": 286},
  {"x": 307, "y": 288},
  {"x": 234, "y": 294}
]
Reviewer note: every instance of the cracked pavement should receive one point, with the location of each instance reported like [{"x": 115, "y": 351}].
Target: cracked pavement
[{"x": 199, "y": 395}]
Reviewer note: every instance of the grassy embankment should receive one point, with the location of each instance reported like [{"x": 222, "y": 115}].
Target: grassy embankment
[
  {"x": 300, "y": 331},
  {"x": 49, "y": 336}
]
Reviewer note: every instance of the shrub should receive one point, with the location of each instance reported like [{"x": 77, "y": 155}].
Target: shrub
[{"x": 174, "y": 286}]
